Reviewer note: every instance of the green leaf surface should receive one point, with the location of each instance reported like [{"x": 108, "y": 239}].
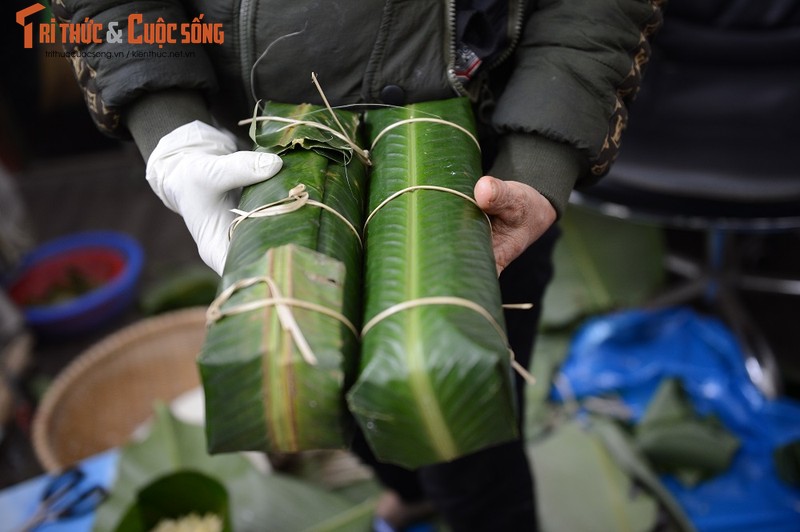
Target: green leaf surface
[
  {"x": 286, "y": 401},
  {"x": 601, "y": 263},
  {"x": 258, "y": 502},
  {"x": 551, "y": 351},
  {"x": 677, "y": 440},
  {"x": 175, "y": 496},
  {"x": 582, "y": 489},
  {"x": 787, "y": 462},
  {"x": 261, "y": 394},
  {"x": 436, "y": 380},
  {"x": 625, "y": 454},
  {"x": 280, "y": 137},
  {"x": 188, "y": 287}
]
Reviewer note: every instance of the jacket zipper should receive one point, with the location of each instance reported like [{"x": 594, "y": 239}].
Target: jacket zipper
[
  {"x": 516, "y": 14},
  {"x": 246, "y": 43},
  {"x": 450, "y": 6}
]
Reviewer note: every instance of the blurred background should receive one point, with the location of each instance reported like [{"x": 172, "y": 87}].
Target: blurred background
[{"x": 61, "y": 177}]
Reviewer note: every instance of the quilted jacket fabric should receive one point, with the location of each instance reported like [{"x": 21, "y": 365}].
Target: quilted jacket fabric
[{"x": 555, "y": 76}]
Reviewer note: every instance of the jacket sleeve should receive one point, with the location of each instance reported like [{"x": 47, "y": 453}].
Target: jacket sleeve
[
  {"x": 578, "y": 66},
  {"x": 112, "y": 75}
]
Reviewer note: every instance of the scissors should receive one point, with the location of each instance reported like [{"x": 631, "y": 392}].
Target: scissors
[{"x": 62, "y": 499}]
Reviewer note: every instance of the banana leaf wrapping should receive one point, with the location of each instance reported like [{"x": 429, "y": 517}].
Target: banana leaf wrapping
[
  {"x": 274, "y": 373},
  {"x": 435, "y": 380}
]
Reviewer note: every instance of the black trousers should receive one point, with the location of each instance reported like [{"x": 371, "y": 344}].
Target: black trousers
[{"x": 492, "y": 489}]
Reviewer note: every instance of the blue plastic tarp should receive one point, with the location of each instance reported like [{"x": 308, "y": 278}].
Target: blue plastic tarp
[{"x": 630, "y": 353}]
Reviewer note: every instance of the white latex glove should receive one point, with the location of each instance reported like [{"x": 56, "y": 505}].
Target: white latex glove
[{"x": 197, "y": 172}]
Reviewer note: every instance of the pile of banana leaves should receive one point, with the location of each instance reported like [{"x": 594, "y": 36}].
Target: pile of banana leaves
[{"x": 433, "y": 380}]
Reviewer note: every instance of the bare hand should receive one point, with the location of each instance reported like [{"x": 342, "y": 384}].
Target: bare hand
[{"x": 519, "y": 215}]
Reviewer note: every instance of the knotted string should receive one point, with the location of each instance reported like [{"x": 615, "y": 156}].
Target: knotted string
[
  {"x": 282, "y": 306},
  {"x": 341, "y": 135},
  {"x": 296, "y": 199}
]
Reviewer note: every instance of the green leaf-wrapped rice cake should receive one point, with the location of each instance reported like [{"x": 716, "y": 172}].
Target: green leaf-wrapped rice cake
[
  {"x": 282, "y": 341},
  {"x": 435, "y": 380}
]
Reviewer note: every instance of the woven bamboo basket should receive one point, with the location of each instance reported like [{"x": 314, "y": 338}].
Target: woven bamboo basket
[{"x": 108, "y": 391}]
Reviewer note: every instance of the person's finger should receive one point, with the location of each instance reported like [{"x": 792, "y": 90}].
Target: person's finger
[
  {"x": 497, "y": 197},
  {"x": 484, "y": 193},
  {"x": 242, "y": 168},
  {"x": 519, "y": 215}
]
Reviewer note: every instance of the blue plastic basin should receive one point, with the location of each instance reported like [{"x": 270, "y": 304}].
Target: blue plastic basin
[{"x": 78, "y": 282}]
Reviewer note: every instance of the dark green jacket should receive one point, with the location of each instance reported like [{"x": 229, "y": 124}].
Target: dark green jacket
[{"x": 556, "y": 91}]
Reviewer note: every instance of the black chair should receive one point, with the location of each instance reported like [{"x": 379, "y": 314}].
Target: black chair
[{"x": 713, "y": 145}]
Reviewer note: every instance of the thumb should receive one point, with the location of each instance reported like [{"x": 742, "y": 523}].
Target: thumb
[
  {"x": 493, "y": 195},
  {"x": 242, "y": 168}
]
